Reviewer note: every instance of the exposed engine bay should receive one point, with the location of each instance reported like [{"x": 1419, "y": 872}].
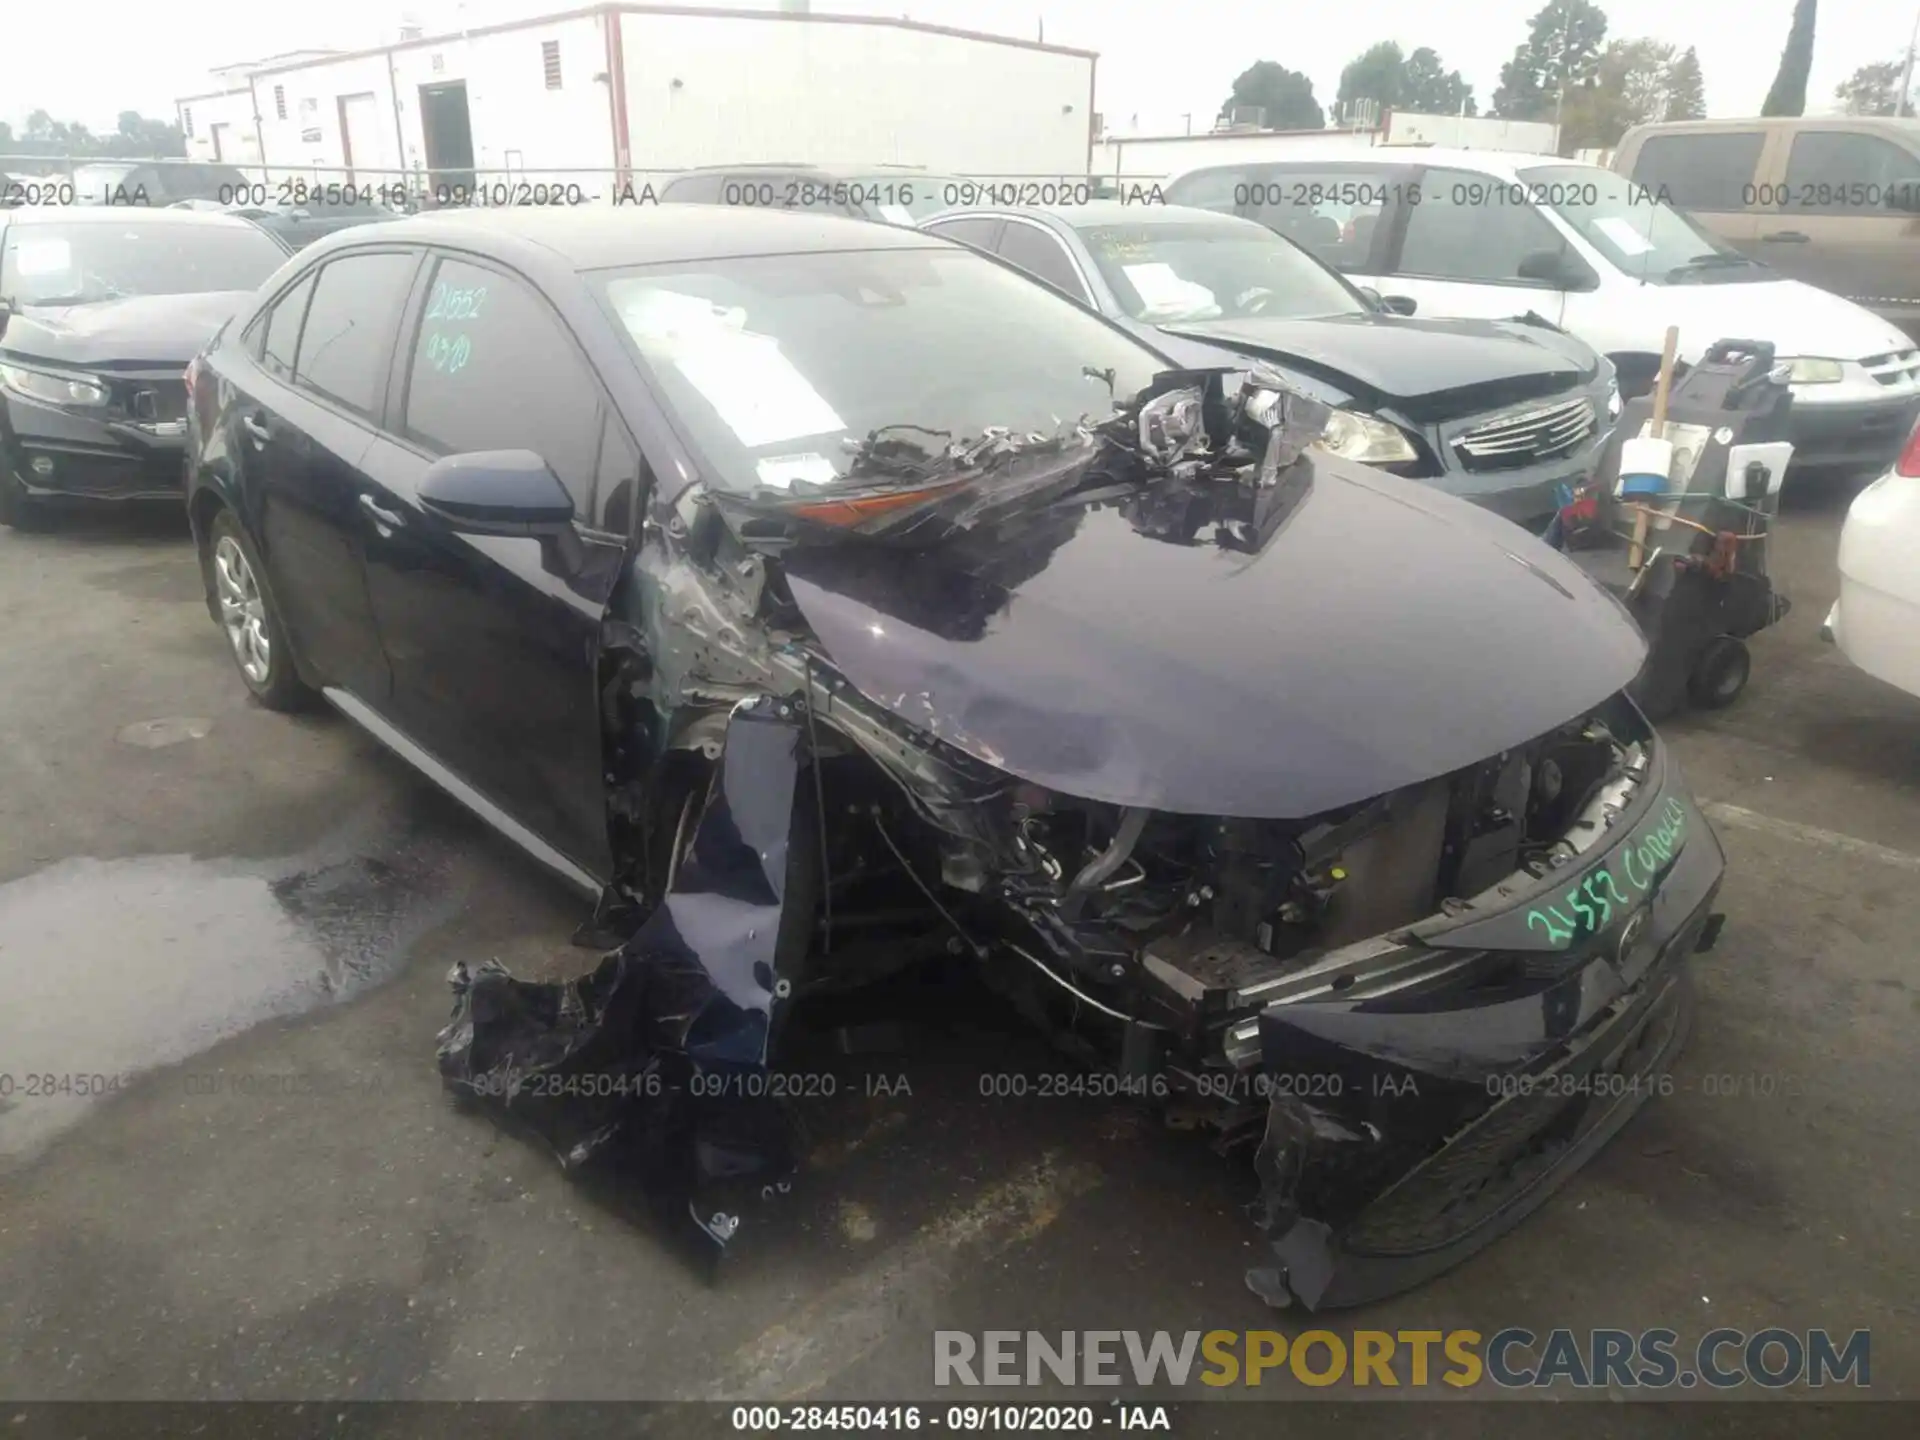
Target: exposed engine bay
[{"x": 813, "y": 787}]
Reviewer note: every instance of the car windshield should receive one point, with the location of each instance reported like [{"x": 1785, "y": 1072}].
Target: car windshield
[
  {"x": 1634, "y": 228},
  {"x": 774, "y": 363},
  {"x": 81, "y": 263},
  {"x": 1163, "y": 273}
]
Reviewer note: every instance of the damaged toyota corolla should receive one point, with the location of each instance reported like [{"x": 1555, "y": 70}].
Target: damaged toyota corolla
[{"x": 822, "y": 597}]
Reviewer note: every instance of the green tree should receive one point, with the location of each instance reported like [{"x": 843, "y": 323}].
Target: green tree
[
  {"x": 1285, "y": 95},
  {"x": 1788, "y": 95},
  {"x": 1377, "y": 74},
  {"x": 1429, "y": 89},
  {"x": 1630, "y": 87},
  {"x": 1686, "y": 89},
  {"x": 1873, "y": 89},
  {"x": 1562, "y": 48}
]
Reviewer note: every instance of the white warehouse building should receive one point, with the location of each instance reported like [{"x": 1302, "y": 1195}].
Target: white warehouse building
[{"x": 637, "y": 90}]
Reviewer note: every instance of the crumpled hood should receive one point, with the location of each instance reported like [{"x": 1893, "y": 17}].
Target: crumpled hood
[
  {"x": 142, "y": 329},
  {"x": 1404, "y": 357},
  {"x": 1386, "y": 634}
]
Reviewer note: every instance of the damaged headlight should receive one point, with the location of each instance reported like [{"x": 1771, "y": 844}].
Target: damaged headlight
[
  {"x": 50, "y": 388},
  {"x": 1361, "y": 437}
]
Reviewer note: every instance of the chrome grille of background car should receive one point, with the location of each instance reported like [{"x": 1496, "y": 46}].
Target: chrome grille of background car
[
  {"x": 1521, "y": 437},
  {"x": 1897, "y": 368}
]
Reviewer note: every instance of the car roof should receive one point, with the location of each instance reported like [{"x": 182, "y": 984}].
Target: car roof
[
  {"x": 121, "y": 214},
  {"x": 1501, "y": 164},
  {"x": 595, "y": 237},
  {"x": 1102, "y": 212}
]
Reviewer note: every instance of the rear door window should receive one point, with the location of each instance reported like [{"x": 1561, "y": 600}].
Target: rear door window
[
  {"x": 1712, "y": 173},
  {"x": 347, "y": 340},
  {"x": 692, "y": 190},
  {"x": 975, "y": 230},
  {"x": 1209, "y": 190},
  {"x": 1332, "y": 212},
  {"x": 1839, "y": 172},
  {"x": 1041, "y": 255},
  {"x": 281, "y": 335},
  {"x": 491, "y": 367},
  {"x": 1474, "y": 227}
]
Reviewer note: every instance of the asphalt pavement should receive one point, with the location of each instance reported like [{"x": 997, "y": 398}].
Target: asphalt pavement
[{"x": 242, "y": 923}]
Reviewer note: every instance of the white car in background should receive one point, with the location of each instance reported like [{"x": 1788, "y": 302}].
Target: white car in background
[
  {"x": 1876, "y": 620},
  {"x": 1492, "y": 234}
]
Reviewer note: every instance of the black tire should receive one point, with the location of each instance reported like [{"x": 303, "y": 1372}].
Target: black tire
[
  {"x": 17, "y": 508},
  {"x": 272, "y": 679},
  {"x": 1720, "y": 674}
]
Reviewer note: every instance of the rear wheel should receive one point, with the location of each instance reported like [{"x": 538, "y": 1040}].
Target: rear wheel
[{"x": 254, "y": 633}]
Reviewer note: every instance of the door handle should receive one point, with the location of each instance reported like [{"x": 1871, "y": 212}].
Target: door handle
[
  {"x": 387, "y": 520},
  {"x": 1791, "y": 237},
  {"x": 257, "y": 428}
]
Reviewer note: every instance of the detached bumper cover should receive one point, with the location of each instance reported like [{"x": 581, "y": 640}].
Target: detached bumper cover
[
  {"x": 1404, "y": 1133},
  {"x": 54, "y": 452}
]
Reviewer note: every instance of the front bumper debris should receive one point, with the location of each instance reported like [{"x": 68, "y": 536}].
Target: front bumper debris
[{"x": 1403, "y": 1134}]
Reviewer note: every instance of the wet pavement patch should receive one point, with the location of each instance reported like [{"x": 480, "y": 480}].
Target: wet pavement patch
[
  {"x": 112, "y": 967},
  {"x": 168, "y": 730}
]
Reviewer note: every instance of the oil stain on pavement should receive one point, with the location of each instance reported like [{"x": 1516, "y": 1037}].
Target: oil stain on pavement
[{"x": 112, "y": 967}]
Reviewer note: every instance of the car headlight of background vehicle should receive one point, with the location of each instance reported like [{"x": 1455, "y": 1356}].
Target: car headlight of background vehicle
[
  {"x": 1613, "y": 394},
  {"x": 52, "y": 389},
  {"x": 1809, "y": 370},
  {"x": 1363, "y": 438}
]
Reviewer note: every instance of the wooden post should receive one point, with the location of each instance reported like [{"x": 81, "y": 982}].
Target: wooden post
[{"x": 1662, "y": 386}]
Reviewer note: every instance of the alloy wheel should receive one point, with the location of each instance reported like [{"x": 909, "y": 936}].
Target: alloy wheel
[{"x": 243, "y": 612}]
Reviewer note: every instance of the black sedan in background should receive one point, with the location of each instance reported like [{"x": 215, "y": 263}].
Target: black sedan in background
[
  {"x": 827, "y": 600},
  {"x": 100, "y": 311},
  {"x": 1502, "y": 412}
]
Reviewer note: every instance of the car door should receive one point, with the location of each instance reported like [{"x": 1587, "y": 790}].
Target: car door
[
  {"x": 1847, "y": 217},
  {"x": 493, "y": 641},
  {"x": 1038, "y": 251},
  {"x": 1713, "y": 175},
  {"x": 1461, "y": 249},
  {"x": 306, "y": 413}
]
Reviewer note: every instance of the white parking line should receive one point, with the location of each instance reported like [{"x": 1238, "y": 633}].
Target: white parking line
[{"x": 1745, "y": 819}]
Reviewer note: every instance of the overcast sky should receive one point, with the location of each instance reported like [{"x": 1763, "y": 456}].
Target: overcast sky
[{"x": 90, "y": 59}]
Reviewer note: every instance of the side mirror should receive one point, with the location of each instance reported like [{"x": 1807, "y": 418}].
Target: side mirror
[
  {"x": 1371, "y": 296},
  {"x": 497, "y": 492},
  {"x": 1399, "y": 304},
  {"x": 1561, "y": 269}
]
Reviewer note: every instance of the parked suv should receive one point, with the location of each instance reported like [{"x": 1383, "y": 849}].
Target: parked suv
[
  {"x": 1490, "y": 234},
  {"x": 1833, "y": 202}
]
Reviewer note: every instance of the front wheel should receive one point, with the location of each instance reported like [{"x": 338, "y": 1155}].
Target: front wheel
[
  {"x": 18, "y": 509},
  {"x": 247, "y": 617},
  {"x": 1720, "y": 674}
]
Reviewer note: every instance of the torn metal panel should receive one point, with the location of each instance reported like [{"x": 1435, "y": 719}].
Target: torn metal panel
[{"x": 642, "y": 1060}]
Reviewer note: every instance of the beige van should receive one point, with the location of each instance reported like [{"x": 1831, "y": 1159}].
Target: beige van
[{"x": 1831, "y": 201}]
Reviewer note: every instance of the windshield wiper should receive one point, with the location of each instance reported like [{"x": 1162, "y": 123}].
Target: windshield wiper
[
  {"x": 67, "y": 300},
  {"x": 1714, "y": 260}
]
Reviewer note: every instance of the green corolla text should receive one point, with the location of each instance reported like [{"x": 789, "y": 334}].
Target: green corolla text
[{"x": 1617, "y": 886}]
